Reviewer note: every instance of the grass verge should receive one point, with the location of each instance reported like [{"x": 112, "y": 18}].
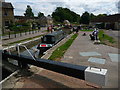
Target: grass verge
[
  {"x": 22, "y": 40},
  {"x": 88, "y": 30},
  {"x": 59, "y": 52},
  {"x": 105, "y": 38}
]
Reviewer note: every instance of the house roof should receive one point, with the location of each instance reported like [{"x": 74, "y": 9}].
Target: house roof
[
  {"x": 110, "y": 18},
  {"x": 7, "y": 5},
  {"x": 43, "y": 18}
]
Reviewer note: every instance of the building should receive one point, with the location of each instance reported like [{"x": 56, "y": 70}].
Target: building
[
  {"x": 107, "y": 22},
  {"x": 42, "y": 21},
  {"x": 1, "y": 15},
  {"x": 7, "y": 15},
  {"x": 49, "y": 20},
  {"x": 23, "y": 19}
]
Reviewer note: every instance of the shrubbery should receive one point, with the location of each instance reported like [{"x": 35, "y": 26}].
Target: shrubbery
[{"x": 19, "y": 27}]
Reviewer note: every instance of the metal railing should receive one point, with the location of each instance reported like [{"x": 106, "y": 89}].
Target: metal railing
[{"x": 18, "y": 48}]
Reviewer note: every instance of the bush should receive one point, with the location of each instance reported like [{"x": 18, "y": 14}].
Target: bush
[
  {"x": 14, "y": 28},
  {"x": 19, "y": 27}
]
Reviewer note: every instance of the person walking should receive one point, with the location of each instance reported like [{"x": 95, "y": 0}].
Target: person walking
[
  {"x": 77, "y": 29},
  {"x": 95, "y": 34}
]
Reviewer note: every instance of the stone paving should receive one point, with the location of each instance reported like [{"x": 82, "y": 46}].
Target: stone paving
[{"x": 79, "y": 53}]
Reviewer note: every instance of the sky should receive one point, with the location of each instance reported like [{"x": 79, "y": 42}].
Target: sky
[{"x": 78, "y": 6}]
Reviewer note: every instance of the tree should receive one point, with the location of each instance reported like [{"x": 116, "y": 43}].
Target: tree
[
  {"x": 61, "y": 14},
  {"x": 40, "y": 14},
  {"x": 101, "y": 15},
  {"x": 92, "y": 16},
  {"x": 85, "y": 18},
  {"x": 28, "y": 12}
]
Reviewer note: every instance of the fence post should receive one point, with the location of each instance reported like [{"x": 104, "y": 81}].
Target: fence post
[
  {"x": 15, "y": 34},
  {"x": 9, "y": 35},
  {"x": 25, "y": 32},
  {"x": 29, "y": 31},
  {"x": 38, "y": 28},
  {"x": 20, "y": 33}
]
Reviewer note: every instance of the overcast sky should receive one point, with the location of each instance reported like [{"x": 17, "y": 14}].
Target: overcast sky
[{"x": 78, "y": 6}]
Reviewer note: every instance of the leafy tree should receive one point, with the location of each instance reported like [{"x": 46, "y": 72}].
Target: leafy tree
[
  {"x": 40, "y": 14},
  {"x": 92, "y": 16},
  {"x": 85, "y": 18},
  {"x": 28, "y": 12},
  {"x": 101, "y": 15},
  {"x": 61, "y": 14}
]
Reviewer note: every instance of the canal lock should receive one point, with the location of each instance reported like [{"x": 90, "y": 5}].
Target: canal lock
[
  {"x": 31, "y": 47},
  {"x": 6, "y": 72}
]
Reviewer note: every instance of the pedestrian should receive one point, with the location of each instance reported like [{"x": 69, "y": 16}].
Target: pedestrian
[
  {"x": 49, "y": 28},
  {"x": 77, "y": 30},
  {"x": 95, "y": 34},
  {"x": 74, "y": 28}
]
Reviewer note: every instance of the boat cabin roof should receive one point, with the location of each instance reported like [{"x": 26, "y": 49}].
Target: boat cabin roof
[{"x": 55, "y": 33}]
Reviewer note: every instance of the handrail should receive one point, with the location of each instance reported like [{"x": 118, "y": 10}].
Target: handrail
[{"x": 18, "y": 48}]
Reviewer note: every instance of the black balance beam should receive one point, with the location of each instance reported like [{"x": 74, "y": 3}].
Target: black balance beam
[{"x": 76, "y": 71}]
